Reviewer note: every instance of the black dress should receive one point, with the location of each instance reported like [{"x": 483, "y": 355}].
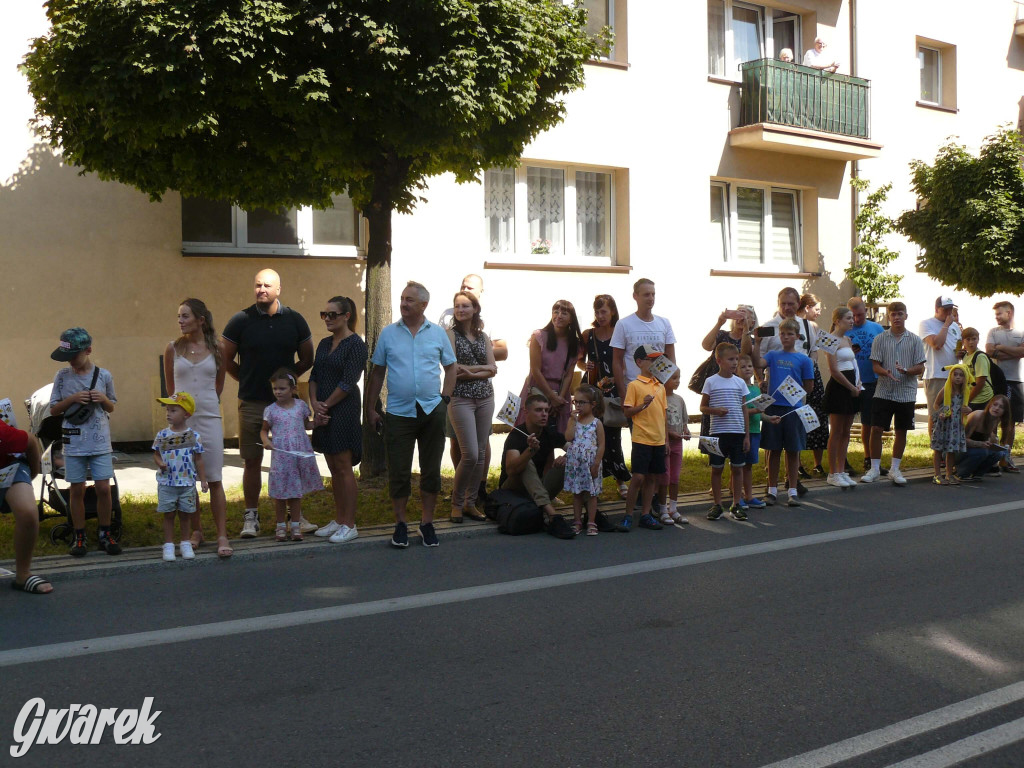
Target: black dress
[
  {"x": 614, "y": 462},
  {"x": 341, "y": 368}
]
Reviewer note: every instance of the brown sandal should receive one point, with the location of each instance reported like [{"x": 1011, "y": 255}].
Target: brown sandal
[{"x": 224, "y": 550}]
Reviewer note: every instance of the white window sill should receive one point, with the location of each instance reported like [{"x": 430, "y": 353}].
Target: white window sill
[{"x": 284, "y": 252}]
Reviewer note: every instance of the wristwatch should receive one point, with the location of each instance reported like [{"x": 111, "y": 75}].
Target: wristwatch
[{"x": 447, "y": 399}]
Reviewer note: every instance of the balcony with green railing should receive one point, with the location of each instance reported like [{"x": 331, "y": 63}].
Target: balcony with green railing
[{"x": 821, "y": 113}]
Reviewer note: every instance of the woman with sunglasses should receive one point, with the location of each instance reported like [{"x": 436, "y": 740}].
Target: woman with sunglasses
[{"x": 334, "y": 398}]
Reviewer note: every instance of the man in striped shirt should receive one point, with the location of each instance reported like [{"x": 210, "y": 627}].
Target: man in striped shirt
[{"x": 898, "y": 357}]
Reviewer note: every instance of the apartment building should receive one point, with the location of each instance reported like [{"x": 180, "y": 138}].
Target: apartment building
[{"x": 694, "y": 156}]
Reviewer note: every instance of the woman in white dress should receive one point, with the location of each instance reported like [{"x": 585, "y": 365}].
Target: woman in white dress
[{"x": 192, "y": 364}]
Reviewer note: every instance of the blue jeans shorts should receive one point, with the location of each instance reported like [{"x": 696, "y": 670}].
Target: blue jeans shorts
[
  {"x": 755, "y": 448},
  {"x": 789, "y": 434},
  {"x": 731, "y": 446},
  {"x": 77, "y": 468},
  {"x": 21, "y": 475}
]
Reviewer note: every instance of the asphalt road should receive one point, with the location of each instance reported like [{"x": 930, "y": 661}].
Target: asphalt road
[{"x": 877, "y": 626}]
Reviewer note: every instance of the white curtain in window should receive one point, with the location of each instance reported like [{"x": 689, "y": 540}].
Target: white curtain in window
[
  {"x": 746, "y": 37},
  {"x": 500, "y": 208},
  {"x": 717, "y": 235},
  {"x": 545, "y": 209},
  {"x": 784, "y": 227},
  {"x": 750, "y": 223},
  {"x": 716, "y": 38},
  {"x": 592, "y": 213}
]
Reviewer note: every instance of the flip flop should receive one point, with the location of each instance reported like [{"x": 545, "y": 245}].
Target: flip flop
[
  {"x": 33, "y": 585},
  {"x": 224, "y": 551}
]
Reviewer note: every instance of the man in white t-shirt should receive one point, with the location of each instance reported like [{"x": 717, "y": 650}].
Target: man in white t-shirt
[
  {"x": 642, "y": 328},
  {"x": 940, "y": 335},
  {"x": 1005, "y": 345},
  {"x": 817, "y": 58}
]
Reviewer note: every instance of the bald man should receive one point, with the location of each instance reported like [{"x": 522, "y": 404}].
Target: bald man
[{"x": 264, "y": 337}]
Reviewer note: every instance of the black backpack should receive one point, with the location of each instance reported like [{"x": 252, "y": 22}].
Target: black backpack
[
  {"x": 515, "y": 513},
  {"x": 996, "y": 377}
]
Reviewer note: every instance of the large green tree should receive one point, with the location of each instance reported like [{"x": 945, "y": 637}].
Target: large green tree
[
  {"x": 970, "y": 220},
  {"x": 275, "y": 103}
]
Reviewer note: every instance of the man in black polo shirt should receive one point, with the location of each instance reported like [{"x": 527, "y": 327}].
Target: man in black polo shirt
[
  {"x": 265, "y": 337},
  {"x": 528, "y": 466}
]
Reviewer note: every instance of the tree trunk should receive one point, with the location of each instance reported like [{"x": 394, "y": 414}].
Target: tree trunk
[{"x": 377, "y": 316}]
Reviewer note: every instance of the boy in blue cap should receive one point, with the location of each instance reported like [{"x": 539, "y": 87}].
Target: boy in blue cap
[{"x": 84, "y": 394}]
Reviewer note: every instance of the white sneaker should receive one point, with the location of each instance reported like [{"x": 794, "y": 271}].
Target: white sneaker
[
  {"x": 897, "y": 477},
  {"x": 870, "y": 476},
  {"x": 836, "y": 480},
  {"x": 169, "y": 553},
  {"x": 251, "y": 525},
  {"x": 187, "y": 553},
  {"x": 305, "y": 526},
  {"x": 326, "y": 530},
  {"x": 850, "y": 482},
  {"x": 344, "y": 534}
]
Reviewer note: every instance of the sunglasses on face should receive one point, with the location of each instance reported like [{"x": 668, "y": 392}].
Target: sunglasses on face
[{"x": 331, "y": 315}]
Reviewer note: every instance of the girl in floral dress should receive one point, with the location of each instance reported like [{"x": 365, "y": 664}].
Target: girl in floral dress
[
  {"x": 293, "y": 469},
  {"x": 585, "y": 451},
  {"x": 949, "y": 437}
]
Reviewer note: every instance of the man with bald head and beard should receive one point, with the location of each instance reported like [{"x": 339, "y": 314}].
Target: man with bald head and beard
[{"x": 264, "y": 337}]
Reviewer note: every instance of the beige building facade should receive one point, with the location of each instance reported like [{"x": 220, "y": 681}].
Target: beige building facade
[{"x": 682, "y": 161}]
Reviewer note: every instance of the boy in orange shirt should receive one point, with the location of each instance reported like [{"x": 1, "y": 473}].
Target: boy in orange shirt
[{"x": 645, "y": 405}]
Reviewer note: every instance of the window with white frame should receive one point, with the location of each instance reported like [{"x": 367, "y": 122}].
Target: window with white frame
[
  {"x": 539, "y": 211},
  {"x": 604, "y": 13},
  {"x": 215, "y": 227},
  {"x": 930, "y": 63},
  {"x": 756, "y": 224},
  {"x": 740, "y": 31},
  {"x": 937, "y": 63}
]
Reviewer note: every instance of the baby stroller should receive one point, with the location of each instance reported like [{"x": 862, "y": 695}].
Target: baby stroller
[{"x": 55, "y": 493}]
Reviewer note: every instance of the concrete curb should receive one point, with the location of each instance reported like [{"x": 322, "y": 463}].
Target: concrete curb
[{"x": 60, "y": 568}]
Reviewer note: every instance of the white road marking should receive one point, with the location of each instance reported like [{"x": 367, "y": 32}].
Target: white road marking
[
  {"x": 915, "y": 726},
  {"x": 966, "y": 749},
  {"x": 448, "y": 597}
]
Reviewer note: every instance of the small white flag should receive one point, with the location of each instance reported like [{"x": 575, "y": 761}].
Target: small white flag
[
  {"x": 509, "y": 410},
  {"x": 178, "y": 440},
  {"x": 792, "y": 391},
  {"x": 662, "y": 368},
  {"x": 710, "y": 444},
  {"x": 828, "y": 342},
  {"x": 808, "y": 418},
  {"x": 761, "y": 402},
  {"x": 299, "y": 454},
  {"x": 7, "y": 412},
  {"x": 7, "y": 474}
]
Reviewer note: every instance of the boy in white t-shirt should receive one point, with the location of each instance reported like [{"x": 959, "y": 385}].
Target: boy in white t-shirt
[{"x": 723, "y": 398}]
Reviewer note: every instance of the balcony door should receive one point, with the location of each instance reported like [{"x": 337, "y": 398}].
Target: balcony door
[{"x": 786, "y": 34}]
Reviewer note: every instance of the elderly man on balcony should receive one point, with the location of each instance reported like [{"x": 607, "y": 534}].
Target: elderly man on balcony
[{"x": 817, "y": 58}]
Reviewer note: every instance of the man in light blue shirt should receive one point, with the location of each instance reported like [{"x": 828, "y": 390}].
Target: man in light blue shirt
[
  {"x": 862, "y": 335},
  {"x": 410, "y": 353}
]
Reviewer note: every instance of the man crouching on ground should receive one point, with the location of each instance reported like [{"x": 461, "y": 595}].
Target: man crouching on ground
[{"x": 528, "y": 465}]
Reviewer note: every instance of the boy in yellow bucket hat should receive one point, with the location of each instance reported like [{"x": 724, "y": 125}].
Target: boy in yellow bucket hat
[{"x": 178, "y": 453}]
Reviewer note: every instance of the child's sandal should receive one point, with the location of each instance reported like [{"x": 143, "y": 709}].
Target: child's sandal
[
  {"x": 591, "y": 529},
  {"x": 296, "y": 532},
  {"x": 577, "y": 527},
  {"x": 281, "y": 532}
]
